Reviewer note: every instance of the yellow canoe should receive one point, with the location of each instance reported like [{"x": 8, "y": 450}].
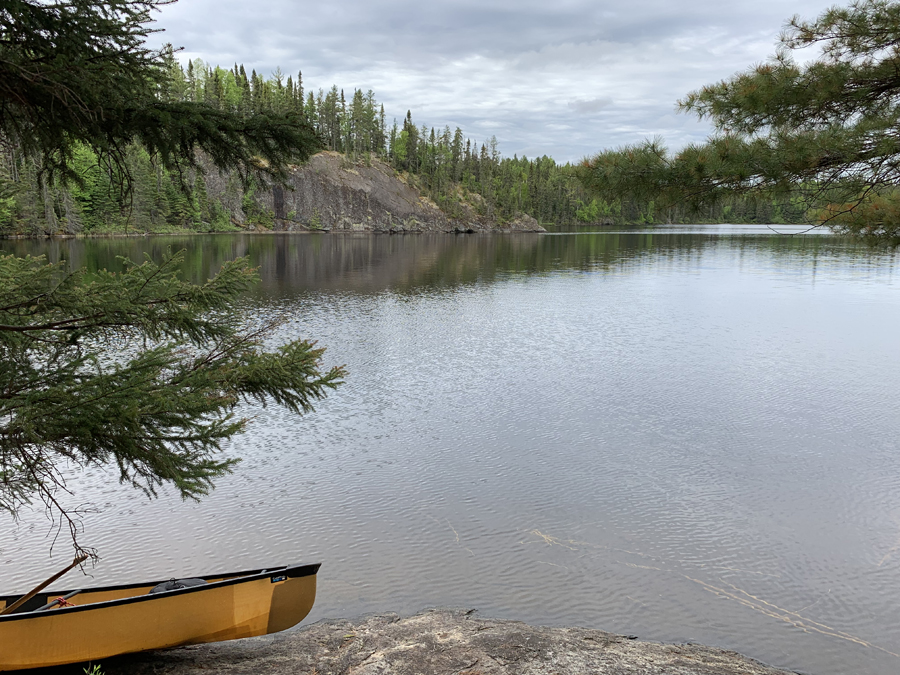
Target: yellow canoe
[{"x": 104, "y": 622}]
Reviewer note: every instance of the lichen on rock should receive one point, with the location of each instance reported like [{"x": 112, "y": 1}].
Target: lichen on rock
[{"x": 438, "y": 642}]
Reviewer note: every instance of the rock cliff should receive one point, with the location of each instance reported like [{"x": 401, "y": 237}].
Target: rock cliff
[{"x": 331, "y": 193}]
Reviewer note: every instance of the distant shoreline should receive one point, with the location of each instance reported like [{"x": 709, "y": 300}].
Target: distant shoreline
[{"x": 192, "y": 233}]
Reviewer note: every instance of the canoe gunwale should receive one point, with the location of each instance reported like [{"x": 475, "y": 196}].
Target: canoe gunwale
[{"x": 232, "y": 578}]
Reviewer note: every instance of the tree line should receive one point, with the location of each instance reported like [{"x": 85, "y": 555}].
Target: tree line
[
  {"x": 456, "y": 172},
  {"x": 821, "y": 133}
]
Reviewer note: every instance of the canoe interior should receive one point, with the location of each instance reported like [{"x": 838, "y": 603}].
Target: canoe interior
[{"x": 106, "y": 593}]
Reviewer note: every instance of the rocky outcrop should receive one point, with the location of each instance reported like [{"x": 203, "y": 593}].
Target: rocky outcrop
[
  {"x": 330, "y": 193},
  {"x": 439, "y": 642}
]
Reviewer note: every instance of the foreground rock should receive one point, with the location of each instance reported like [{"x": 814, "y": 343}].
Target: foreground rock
[
  {"x": 451, "y": 642},
  {"x": 331, "y": 193}
]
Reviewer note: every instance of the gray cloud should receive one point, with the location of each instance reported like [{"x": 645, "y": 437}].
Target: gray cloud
[
  {"x": 590, "y": 106},
  {"x": 565, "y": 78}
]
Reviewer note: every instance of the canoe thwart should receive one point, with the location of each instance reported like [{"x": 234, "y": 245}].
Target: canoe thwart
[{"x": 58, "y": 601}]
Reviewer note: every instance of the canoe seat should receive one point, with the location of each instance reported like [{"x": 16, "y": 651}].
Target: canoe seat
[{"x": 176, "y": 584}]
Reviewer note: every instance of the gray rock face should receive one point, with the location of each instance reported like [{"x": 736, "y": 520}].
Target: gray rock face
[
  {"x": 330, "y": 193},
  {"x": 440, "y": 642}
]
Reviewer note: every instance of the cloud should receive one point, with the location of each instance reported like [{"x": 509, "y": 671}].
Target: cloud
[
  {"x": 593, "y": 105},
  {"x": 565, "y": 79}
]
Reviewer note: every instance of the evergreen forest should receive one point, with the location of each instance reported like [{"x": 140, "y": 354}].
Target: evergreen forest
[{"x": 443, "y": 164}]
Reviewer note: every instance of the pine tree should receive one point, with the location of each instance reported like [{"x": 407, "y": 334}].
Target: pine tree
[
  {"x": 382, "y": 132},
  {"x": 138, "y": 370},
  {"x": 298, "y": 93},
  {"x": 81, "y": 71},
  {"x": 824, "y": 134},
  {"x": 311, "y": 113}
]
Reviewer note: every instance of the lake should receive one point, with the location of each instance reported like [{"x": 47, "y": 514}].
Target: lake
[{"x": 680, "y": 433}]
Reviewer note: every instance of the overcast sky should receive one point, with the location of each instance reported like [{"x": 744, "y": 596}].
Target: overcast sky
[{"x": 564, "y": 78}]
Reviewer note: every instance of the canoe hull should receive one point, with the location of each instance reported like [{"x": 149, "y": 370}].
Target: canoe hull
[{"x": 224, "y": 610}]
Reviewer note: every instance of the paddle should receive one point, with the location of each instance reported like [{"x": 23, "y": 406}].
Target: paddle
[{"x": 37, "y": 589}]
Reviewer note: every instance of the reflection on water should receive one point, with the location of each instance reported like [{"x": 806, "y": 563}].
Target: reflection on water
[
  {"x": 685, "y": 435},
  {"x": 365, "y": 263}
]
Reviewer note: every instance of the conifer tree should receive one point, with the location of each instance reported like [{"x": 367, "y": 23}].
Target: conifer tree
[
  {"x": 825, "y": 133},
  {"x": 138, "y": 370},
  {"x": 78, "y": 70},
  {"x": 298, "y": 89}
]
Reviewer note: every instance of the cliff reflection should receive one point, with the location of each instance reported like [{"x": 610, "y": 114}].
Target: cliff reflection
[{"x": 372, "y": 263}]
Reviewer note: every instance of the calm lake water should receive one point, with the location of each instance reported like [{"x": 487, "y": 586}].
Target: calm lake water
[{"x": 681, "y": 434}]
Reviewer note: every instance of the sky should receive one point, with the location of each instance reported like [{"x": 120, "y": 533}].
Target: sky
[{"x": 564, "y": 78}]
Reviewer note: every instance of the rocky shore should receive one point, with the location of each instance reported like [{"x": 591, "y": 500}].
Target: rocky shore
[{"x": 439, "y": 642}]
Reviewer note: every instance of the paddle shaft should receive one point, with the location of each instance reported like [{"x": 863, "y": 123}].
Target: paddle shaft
[
  {"x": 54, "y": 603},
  {"x": 37, "y": 589}
]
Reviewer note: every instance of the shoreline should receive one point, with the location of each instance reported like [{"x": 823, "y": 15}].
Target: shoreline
[
  {"x": 191, "y": 233},
  {"x": 439, "y": 641}
]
